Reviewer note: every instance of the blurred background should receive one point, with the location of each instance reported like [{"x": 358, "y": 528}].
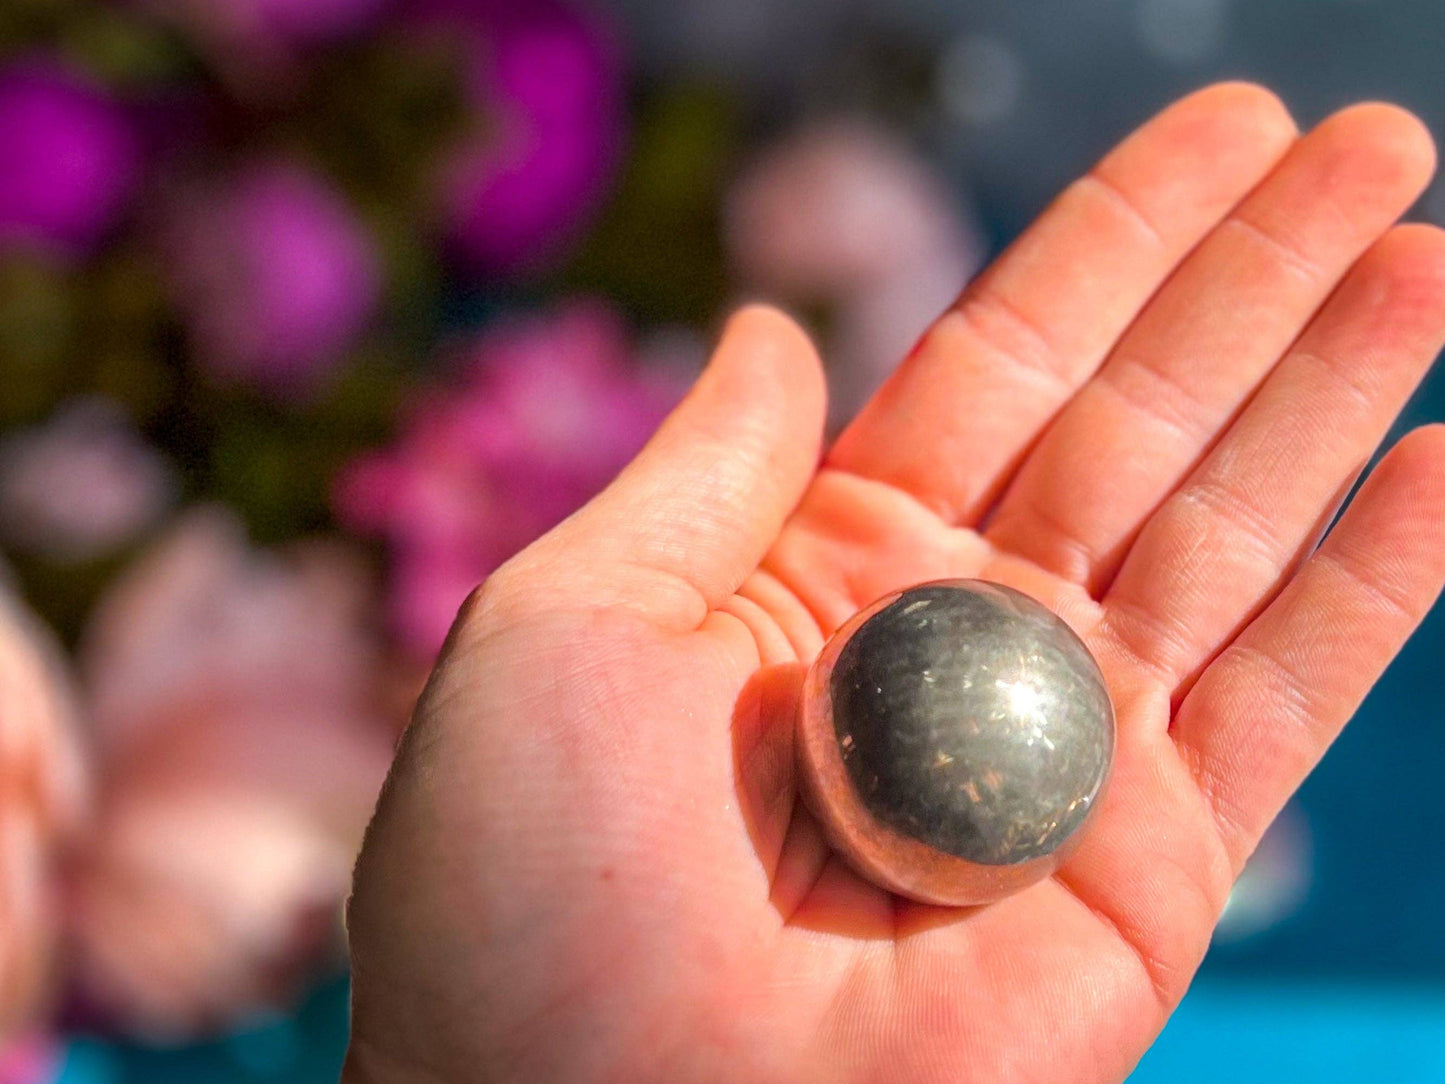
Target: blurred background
[{"x": 314, "y": 311}]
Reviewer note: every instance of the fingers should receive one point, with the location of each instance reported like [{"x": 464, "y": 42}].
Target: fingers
[
  {"x": 690, "y": 518},
  {"x": 957, "y": 415},
  {"x": 1203, "y": 344},
  {"x": 1264, "y": 712},
  {"x": 1218, "y": 548}
]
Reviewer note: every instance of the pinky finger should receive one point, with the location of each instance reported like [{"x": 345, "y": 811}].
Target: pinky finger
[{"x": 1265, "y": 711}]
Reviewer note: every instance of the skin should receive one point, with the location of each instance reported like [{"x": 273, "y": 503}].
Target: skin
[{"x": 591, "y": 861}]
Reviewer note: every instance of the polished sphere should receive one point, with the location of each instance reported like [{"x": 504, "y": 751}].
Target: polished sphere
[{"x": 953, "y": 739}]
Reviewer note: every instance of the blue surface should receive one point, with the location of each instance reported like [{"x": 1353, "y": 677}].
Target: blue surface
[
  {"x": 1268, "y": 1033},
  {"x": 1378, "y": 822},
  {"x": 1241, "y": 1031},
  {"x": 304, "y": 1049}
]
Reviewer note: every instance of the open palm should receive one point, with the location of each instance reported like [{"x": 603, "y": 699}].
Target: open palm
[{"x": 591, "y": 861}]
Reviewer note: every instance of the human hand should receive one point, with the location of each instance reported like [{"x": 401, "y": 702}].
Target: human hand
[{"x": 591, "y": 862}]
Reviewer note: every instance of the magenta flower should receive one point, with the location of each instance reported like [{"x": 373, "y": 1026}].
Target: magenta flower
[
  {"x": 275, "y": 277},
  {"x": 69, "y": 158},
  {"x": 547, "y": 410},
  {"x": 548, "y": 80}
]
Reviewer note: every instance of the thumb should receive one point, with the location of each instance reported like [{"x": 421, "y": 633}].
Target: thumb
[{"x": 685, "y": 523}]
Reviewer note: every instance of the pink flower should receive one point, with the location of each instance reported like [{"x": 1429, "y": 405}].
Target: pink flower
[
  {"x": 546, "y": 411},
  {"x": 275, "y": 276},
  {"x": 69, "y": 158},
  {"x": 549, "y": 82},
  {"x": 239, "y": 752},
  {"x": 846, "y": 215},
  {"x": 81, "y": 485},
  {"x": 836, "y": 206},
  {"x": 41, "y": 797}
]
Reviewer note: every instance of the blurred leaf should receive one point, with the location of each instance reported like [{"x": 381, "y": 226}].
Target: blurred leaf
[
  {"x": 361, "y": 408},
  {"x": 133, "y": 376},
  {"x": 657, "y": 249},
  {"x": 127, "y": 333},
  {"x": 276, "y": 479},
  {"x": 38, "y": 336},
  {"x": 414, "y": 278},
  {"x": 64, "y": 593},
  {"x": 29, "y": 22},
  {"x": 120, "y": 47},
  {"x": 274, "y": 463},
  {"x": 378, "y": 114},
  {"x": 116, "y": 41},
  {"x": 129, "y": 290}
]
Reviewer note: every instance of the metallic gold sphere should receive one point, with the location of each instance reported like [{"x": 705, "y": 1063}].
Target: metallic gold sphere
[{"x": 953, "y": 739}]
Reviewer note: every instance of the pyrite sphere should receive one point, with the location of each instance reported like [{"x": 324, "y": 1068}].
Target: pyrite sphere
[{"x": 953, "y": 739}]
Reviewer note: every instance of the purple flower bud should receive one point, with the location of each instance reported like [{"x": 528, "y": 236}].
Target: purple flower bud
[
  {"x": 275, "y": 276},
  {"x": 69, "y": 158},
  {"x": 549, "y": 81}
]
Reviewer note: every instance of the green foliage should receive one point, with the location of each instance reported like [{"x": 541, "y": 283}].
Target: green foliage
[
  {"x": 109, "y": 39},
  {"x": 39, "y": 333},
  {"x": 657, "y": 249}
]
